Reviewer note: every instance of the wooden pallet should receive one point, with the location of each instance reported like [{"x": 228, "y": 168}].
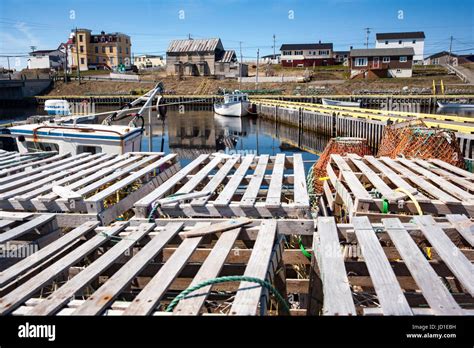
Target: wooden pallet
[
  {"x": 254, "y": 186},
  {"x": 396, "y": 282},
  {"x": 359, "y": 186},
  {"x": 85, "y": 183},
  {"x": 145, "y": 266},
  {"x": 21, "y": 234}
]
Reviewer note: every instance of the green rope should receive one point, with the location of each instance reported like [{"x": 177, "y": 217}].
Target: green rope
[
  {"x": 385, "y": 206},
  {"x": 303, "y": 249},
  {"x": 263, "y": 283}
]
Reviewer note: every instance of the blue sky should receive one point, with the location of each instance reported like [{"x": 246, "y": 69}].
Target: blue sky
[{"x": 153, "y": 23}]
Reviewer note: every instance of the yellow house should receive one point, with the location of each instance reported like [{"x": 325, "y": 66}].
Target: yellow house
[{"x": 95, "y": 51}]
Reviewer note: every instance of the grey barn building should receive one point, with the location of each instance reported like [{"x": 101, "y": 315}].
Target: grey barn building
[{"x": 202, "y": 57}]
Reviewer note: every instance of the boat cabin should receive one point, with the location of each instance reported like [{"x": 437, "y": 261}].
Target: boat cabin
[
  {"x": 76, "y": 138},
  {"x": 235, "y": 97}
]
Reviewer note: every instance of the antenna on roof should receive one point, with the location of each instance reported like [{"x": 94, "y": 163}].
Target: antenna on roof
[
  {"x": 367, "y": 32},
  {"x": 189, "y": 37}
]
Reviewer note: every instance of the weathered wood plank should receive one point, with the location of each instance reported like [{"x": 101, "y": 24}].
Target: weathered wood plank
[
  {"x": 210, "y": 269},
  {"x": 454, "y": 169},
  {"x": 15, "y": 216},
  {"x": 357, "y": 189},
  {"x": 106, "y": 294},
  {"x": 434, "y": 291},
  {"x": 49, "y": 250},
  {"x": 16, "y": 297},
  {"x": 337, "y": 293},
  {"x": 251, "y": 193},
  {"x": 214, "y": 228},
  {"x": 58, "y": 298},
  {"x": 216, "y": 180},
  {"x": 463, "y": 225},
  {"x": 25, "y": 228},
  {"x": 146, "y": 301},
  {"x": 456, "y": 261},
  {"x": 248, "y": 295},
  {"x": 385, "y": 282},
  {"x": 273, "y": 199},
  {"x": 301, "y": 197},
  {"x": 227, "y": 193}
]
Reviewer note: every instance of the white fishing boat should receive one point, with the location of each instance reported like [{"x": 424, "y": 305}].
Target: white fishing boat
[
  {"x": 455, "y": 105},
  {"x": 332, "y": 102},
  {"x": 235, "y": 104},
  {"x": 57, "y": 107},
  {"x": 76, "y": 139}
]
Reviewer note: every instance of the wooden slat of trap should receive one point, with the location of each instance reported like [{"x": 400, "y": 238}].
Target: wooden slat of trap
[
  {"x": 251, "y": 193},
  {"x": 434, "y": 291},
  {"x": 248, "y": 295},
  {"x": 385, "y": 282},
  {"x": 456, "y": 261},
  {"x": 227, "y": 193},
  {"x": 216, "y": 180},
  {"x": 46, "y": 252},
  {"x": 16, "y": 297},
  {"x": 273, "y": 199},
  {"x": 301, "y": 198},
  {"x": 59, "y": 297},
  {"x": 17, "y": 180},
  {"x": 451, "y": 168},
  {"x": 210, "y": 269},
  {"x": 468, "y": 185},
  {"x": 446, "y": 185},
  {"x": 144, "y": 204},
  {"x": 80, "y": 171},
  {"x": 146, "y": 301},
  {"x": 463, "y": 225},
  {"x": 25, "y": 228},
  {"x": 421, "y": 182},
  {"x": 29, "y": 163},
  {"x": 102, "y": 297},
  {"x": 337, "y": 293}
]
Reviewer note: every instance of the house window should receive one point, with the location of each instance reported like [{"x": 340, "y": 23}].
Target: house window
[
  {"x": 287, "y": 53},
  {"x": 362, "y": 61},
  {"x": 386, "y": 42},
  {"x": 323, "y": 53},
  {"x": 111, "y": 60},
  {"x": 399, "y": 42},
  {"x": 414, "y": 41},
  {"x": 126, "y": 50},
  {"x": 403, "y": 59},
  {"x": 82, "y": 60},
  {"x": 120, "y": 49},
  {"x": 298, "y": 53},
  {"x": 126, "y": 41},
  {"x": 96, "y": 49},
  {"x": 435, "y": 61},
  {"x": 386, "y": 60},
  {"x": 96, "y": 39},
  {"x": 102, "y": 39},
  {"x": 103, "y": 49},
  {"x": 81, "y": 38},
  {"x": 97, "y": 59},
  {"x": 111, "y": 49}
]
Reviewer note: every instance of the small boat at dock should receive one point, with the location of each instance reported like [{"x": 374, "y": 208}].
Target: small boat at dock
[
  {"x": 331, "y": 102},
  {"x": 235, "y": 104},
  {"x": 455, "y": 105}
]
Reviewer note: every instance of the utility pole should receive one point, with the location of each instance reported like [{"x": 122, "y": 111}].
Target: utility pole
[
  {"x": 240, "y": 66},
  {"x": 9, "y": 73},
  {"x": 367, "y": 32},
  {"x": 256, "y": 75},
  {"x": 450, "y": 49},
  {"x": 77, "y": 55},
  {"x": 65, "y": 65},
  {"x": 273, "y": 46}
]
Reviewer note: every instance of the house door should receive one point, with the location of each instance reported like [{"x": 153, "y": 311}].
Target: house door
[{"x": 376, "y": 63}]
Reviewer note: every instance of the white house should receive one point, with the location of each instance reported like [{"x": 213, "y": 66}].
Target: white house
[
  {"x": 48, "y": 59},
  {"x": 416, "y": 40},
  {"x": 148, "y": 61},
  {"x": 271, "y": 59}
]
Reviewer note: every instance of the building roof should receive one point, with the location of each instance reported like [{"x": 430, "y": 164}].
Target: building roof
[
  {"x": 378, "y": 52},
  {"x": 227, "y": 56},
  {"x": 200, "y": 45},
  {"x": 441, "y": 54},
  {"x": 341, "y": 52},
  {"x": 401, "y": 35},
  {"x": 272, "y": 56},
  {"x": 307, "y": 46},
  {"x": 41, "y": 52}
]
